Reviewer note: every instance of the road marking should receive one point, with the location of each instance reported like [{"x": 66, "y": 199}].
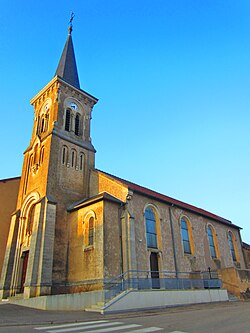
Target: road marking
[
  {"x": 146, "y": 330},
  {"x": 100, "y": 326},
  {"x": 103, "y": 330},
  {"x": 178, "y": 332},
  {"x": 73, "y": 324},
  {"x": 85, "y": 327}
]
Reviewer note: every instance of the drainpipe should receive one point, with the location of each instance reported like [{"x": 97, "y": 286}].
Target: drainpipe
[
  {"x": 124, "y": 238},
  {"x": 173, "y": 241},
  {"x": 121, "y": 209}
]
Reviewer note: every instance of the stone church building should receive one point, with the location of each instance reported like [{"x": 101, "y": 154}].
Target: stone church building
[{"x": 75, "y": 227}]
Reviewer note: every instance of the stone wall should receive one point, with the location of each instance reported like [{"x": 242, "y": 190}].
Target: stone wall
[
  {"x": 246, "y": 252},
  {"x": 200, "y": 259},
  {"x": 236, "y": 281},
  {"x": 8, "y": 198},
  {"x": 85, "y": 262}
]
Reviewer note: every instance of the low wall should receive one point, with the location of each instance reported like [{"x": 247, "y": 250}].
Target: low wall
[
  {"x": 135, "y": 299},
  {"x": 236, "y": 281},
  {"x": 67, "y": 302}
]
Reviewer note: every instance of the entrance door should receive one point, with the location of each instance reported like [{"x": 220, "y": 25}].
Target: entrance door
[
  {"x": 154, "y": 270},
  {"x": 24, "y": 270}
]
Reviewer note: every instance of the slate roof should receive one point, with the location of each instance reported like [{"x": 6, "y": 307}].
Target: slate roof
[
  {"x": 85, "y": 202},
  {"x": 246, "y": 246},
  {"x": 67, "y": 69},
  {"x": 9, "y": 179},
  {"x": 161, "y": 197}
]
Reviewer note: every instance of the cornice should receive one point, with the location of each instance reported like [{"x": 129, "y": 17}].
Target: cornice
[{"x": 55, "y": 84}]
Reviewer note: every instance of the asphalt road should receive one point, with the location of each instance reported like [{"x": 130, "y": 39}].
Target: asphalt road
[{"x": 229, "y": 317}]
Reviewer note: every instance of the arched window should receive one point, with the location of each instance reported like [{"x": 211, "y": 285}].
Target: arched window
[
  {"x": 67, "y": 121},
  {"x": 231, "y": 241},
  {"x": 38, "y": 125},
  {"x": 31, "y": 161},
  {"x": 211, "y": 241},
  {"x": 30, "y": 221},
  {"x": 64, "y": 155},
  {"x": 36, "y": 154},
  {"x": 81, "y": 161},
  {"x": 91, "y": 231},
  {"x": 77, "y": 124},
  {"x": 43, "y": 125},
  {"x": 150, "y": 222},
  {"x": 73, "y": 158},
  {"x": 185, "y": 233},
  {"x": 41, "y": 154}
]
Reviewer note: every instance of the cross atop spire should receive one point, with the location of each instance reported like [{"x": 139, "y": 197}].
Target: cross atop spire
[
  {"x": 70, "y": 28},
  {"x": 67, "y": 68}
]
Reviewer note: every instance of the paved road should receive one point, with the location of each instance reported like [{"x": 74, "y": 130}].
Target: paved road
[{"x": 230, "y": 317}]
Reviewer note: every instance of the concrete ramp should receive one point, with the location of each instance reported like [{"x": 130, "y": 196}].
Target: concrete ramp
[{"x": 148, "y": 299}]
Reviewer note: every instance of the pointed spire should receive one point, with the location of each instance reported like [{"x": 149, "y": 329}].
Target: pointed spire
[{"x": 67, "y": 69}]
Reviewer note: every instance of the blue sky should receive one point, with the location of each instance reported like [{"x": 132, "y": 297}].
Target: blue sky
[{"x": 173, "y": 82}]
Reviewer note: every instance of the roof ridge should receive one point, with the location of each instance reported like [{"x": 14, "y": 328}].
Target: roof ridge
[{"x": 171, "y": 200}]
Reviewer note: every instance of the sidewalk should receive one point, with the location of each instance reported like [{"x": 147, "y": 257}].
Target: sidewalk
[{"x": 15, "y": 315}]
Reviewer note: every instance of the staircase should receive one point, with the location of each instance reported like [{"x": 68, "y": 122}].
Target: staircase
[{"x": 100, "y": 307}]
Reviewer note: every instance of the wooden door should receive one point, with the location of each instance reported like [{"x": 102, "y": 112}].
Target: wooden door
[{"x": 24, "y": 269}]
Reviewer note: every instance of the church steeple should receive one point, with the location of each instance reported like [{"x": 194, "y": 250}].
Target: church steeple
[{"x": 67, "y": 68}]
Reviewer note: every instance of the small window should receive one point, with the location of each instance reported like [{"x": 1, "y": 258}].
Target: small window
[
  {"x": 67, "y": 121},
  {"x": 81, "y": 161},
  {"x": 73, "y": 158},
  {"x": 31, "y": 160},
  {"x": 38, "y": 125},
  {"x": 232, "y": 245},
  {"x": 150, "y": 222},
  {"x": 185, "y": 236},
  {"x": 91, "y": 231},
  {"x": 42, "y": 155},
  {"x": 77, "y": 124},
  {"x": 211, "y": 242},
  {"x": 43, "y": 125},
  {"x": 64, "y": 155},
  {"x": 30, "y": 221}
]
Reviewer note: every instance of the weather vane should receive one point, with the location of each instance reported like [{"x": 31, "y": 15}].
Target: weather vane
[{"x": 70, "y": 22}]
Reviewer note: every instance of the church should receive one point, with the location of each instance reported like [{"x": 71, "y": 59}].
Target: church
[{"x": 75, "y": 227}]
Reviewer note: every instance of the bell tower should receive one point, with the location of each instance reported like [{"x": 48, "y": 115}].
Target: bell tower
[
  {"x": 61, "y": 155},
  {"x": 56, "y": 173}
]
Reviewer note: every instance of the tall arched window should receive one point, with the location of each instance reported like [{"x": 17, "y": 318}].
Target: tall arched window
[
  {"x": 150, "y": 222},
  {"x": 77, "y": 124},
  {"x": 41, "y": 155},
  {"x": 64, "y": 155},
  {"x": 231, "y": 241},
  {"x": 185, "y": 233},
  {"x": 91, "y": 231},
  {"x": 67, "y": 121},
  {"x": 211, "y": 241},
  {"x": 31, "y": 160},
  {"x": 43, "y": 125},
  {"x": 38, "y": 125},
  {"x": 30, "y": 221},
  {"x": 73, "y": 158},
  {"x": 81, "y": 161}
]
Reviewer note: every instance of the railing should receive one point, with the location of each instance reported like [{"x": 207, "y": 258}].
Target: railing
[
  {"x": 244, "y": 274},
  {"x": 142, "y": 280},
  {"x": 160, "y": 280}
]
